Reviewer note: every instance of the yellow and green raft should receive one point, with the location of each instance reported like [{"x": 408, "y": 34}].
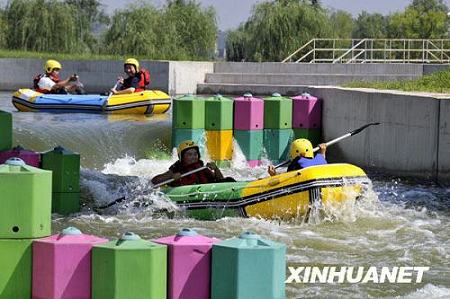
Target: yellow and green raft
[
  {"x": 144, "y": 102},
  {"x": 285, "y": 196}
]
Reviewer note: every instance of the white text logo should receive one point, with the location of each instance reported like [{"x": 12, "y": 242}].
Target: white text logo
[{"x": 356, "y": 274}]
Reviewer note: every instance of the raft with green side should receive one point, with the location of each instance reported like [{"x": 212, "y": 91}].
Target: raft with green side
[{"x": 285, "y": 196}]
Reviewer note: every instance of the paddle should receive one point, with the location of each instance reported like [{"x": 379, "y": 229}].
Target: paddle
[
  {"x": 119, "y": 200},
  {"x": 354, "y": 132}
]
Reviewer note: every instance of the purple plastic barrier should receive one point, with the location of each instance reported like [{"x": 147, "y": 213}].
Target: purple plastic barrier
[
  {"x": 189, "y": 264},
  {"x": 62, "y": 265},
  {"x": 248, "y": 113},
  {"x": 29, "y": 157},
  {"x": 306, "y": 112}
]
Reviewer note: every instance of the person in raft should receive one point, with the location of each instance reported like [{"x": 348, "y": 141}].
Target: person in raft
[
  {"x": 188, "y": 160},
  {"x": 137, "y": 80},
  {"x": 302, "y": 156},
  {"x": 49, "y": 82}
]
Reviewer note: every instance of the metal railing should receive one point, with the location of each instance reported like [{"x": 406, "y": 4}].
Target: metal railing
[{"x": 369, "y": 50}]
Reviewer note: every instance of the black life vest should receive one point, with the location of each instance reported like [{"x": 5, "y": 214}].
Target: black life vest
[{"x": 144, "y": 80}]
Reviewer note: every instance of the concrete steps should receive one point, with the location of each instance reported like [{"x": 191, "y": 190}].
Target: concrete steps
[
  {"x": 300, "y": 79},
  {"x": 316, "y": 68},
  {"x": 256, "y": 89},
  {"x": 291, "y": 78}
]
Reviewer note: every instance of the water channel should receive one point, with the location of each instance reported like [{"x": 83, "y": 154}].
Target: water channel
[{"x": 403, "y": 222}]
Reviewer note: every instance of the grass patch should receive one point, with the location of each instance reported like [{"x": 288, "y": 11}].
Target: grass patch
[
  {"x": 438, "y": 82},
  {"x": 58, "y": 56}
]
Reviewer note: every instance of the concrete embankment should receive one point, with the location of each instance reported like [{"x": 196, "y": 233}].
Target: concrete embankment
[
  {"x": 174, "y": 77},
  {"x": 413, "y": 138}
]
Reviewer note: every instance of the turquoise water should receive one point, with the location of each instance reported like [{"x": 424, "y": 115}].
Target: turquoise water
[{"x": 403, "y": 222}]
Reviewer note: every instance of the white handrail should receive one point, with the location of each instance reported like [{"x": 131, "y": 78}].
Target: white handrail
[{"x": 371, "y": 50}]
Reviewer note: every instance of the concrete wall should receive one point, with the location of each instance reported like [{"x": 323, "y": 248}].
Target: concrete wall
[
  {"x": 413, "y": 138},
  {"x": 99, "y": 75},
  {"x": 432, "y": 68},
  {"x": 185, "y": 75},
  {"x": 323, "y": 68},
  {"x": 96, "y": 75},
  {"x": 444, "y": 141}
]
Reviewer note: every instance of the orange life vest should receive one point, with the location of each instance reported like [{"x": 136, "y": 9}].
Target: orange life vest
[{"x": 38, "y": 77}]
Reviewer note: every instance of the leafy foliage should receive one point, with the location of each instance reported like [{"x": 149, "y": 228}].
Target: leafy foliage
[
  {"x": 342, "y": 24},
  {"x": 370, "y": 26},
  {"x": 421, "y": 19},
  {"x": 277, "y": 28},
  {"x": 182, "y": 30}
]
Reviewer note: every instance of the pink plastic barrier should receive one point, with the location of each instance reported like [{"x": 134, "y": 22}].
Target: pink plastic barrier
[
  {"x": 29, "y": 157},
  {"x": 248, "y": 113},
  {"x": 189, "y": 264},
  {"x": 62, "y": 265},
  {"x": 254, "y": 163},
  {"x": 306, "y": 112}
]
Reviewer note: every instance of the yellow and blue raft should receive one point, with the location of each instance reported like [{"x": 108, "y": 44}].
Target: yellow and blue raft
[{"x": 144, "y": 102}]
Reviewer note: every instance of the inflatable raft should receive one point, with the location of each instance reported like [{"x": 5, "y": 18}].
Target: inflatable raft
[
  {"x": 145, "y": 102},
  {"x": 285, "y": 196}
]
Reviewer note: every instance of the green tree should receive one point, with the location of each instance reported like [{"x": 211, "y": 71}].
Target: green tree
[
  {"x": 236, "y": 44},
  {"x": 429, "y": 5},
  {"x": 3, "y": 29},
  {"x": 42, "y": 25},
  {"x": 422, "y": 19},
  {"x": 342, "y": 24},
  {"x": 276, "y": 29},
  {"x": 182, "y": 30},
  {"x": 370, "y": 26},
  {"x": 89, "y": 16},
  {"x": 196, "y": 28},
  {"x": 133, "y": 31}
]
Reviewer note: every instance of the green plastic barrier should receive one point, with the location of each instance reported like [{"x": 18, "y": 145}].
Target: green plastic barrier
[
  {"x": 16, "y": 269},
  {"x": 66, "y": 203},
  {"x": 219, "y": 113},
  {"x": 277, "y": 112},
  {"x": 223, "y": 163},
  {"x": 25, "y": 200},
  {"x": 65, "y": 165},
  {"x": 313, "y": 135},
  {"x": 197, "y": 135},
  {"x": 129, "y": 268},
  {"x": 250, "y": 142},
  {"x": 188, "y": 112},
  {"x": 248, "y": 267},
  {"x": 277, "y": 143},
  {"x": 5, "y": 131}
]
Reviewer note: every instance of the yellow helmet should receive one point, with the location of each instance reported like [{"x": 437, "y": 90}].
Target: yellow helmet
[
  {"x": 51, "y": 64},
  {"x": 301, "y": 147},
  {"x": 133, "y": 62},
  {"x": 185, "y": 145}
]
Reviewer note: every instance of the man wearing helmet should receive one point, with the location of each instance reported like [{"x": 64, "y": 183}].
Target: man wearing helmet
[
  {"x": 49, "y": 82},
  {"x": 188, "y": 160},
  {"x": 302, "y": 156},
  {"x": 136, "y": 81}
]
